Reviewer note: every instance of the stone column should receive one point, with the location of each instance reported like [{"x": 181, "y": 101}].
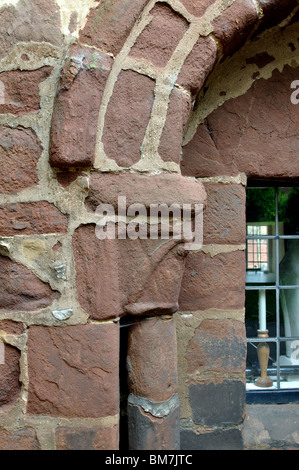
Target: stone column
[{"x": 153, "y": 404}]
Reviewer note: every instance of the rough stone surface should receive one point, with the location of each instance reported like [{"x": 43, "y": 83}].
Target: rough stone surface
[
  {"x": 197, "y": 8},
  {"x": 253, "y": 134},
  {"x": 21, "y": 290},
  {"x": 10, "y": 386},
  {"x": 217, "y": 282},
  {"x": 217, "y": 403},
  {"x": 109, "y": 285},
  {"x": 20, "y": 439},
  {"x": 151, "y": 359},
  {"x": 147, "y": 432},
  {"x": 219, "y": 439},
  {"x": 108, "y": 26},
  {"x": 234, "y": 25},
  {"x": 217, "y": 346},
  {"x": 21, "y": 90},
  {"x": 159, "y": 39},
  {"x": 143, "y": 189},
  {"x": 12, "y": 327},
  {"x": 31, "y": 218},
  {"x": 20, "y": 150},
  {"x": 29, "y": 20},
  {"x": 224, "y": 218},
  {"x": 170, "y": 146},
  {"x": 73, "y": 371},
  {"x": 82, "y": 84},
  {"x": 275, "y": 12},
  {"x": 198, "y": 65},
  {"x": 81, "y": 438},
  {"x": 127, "y": 117}
]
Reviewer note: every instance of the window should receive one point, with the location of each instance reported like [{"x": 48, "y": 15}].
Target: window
[{"x": 272, "y": 289}]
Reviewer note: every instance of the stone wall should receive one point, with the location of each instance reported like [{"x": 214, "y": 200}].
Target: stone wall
[{"x": 163, "y": 102}]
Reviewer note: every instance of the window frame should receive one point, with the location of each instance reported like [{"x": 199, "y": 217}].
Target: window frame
[{"x": 278, "y": 395}]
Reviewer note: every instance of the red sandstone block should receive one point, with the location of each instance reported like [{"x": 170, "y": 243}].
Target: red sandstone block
[
  {"x": 98, "y": 438},
  {"x": 159, "y": 39},
  {"x": 31, "y": 218},
  {"x": 234, "y": 25},
  {"x": 73, "y": 370},
  {"x": 21, "y": 290},
  {"x": 217, "y": 282},
  {"x": 20, "y": 439},
  {"x": 10, "y": 386},
  {"x": 224, "y": 218},
  {"x": 198, "y": 65},
  {"x": 217, "y": 346},
  {"x": 20, "y": 150},
  {"x": 197, "y": 8},
  {"x": 20, "y": 90},
  {"x": 108, "y": 26},
  {"x": 127, "y": 117},
  {"x": 152, "y": 359},
  {"x": 171, "y": 139},
  {"x": 274, "y": 12},
  {"x": 76, "y": 111}
]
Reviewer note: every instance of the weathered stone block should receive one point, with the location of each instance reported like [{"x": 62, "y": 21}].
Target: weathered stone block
[
  {"x": 31, "y": 218},
  {"x": 108, "y": 26},
  {"x": 20, "y": 90},
  {"x": 127, "y": 117},
  {"x": 20, "y": 151},
  {"x": 76, "y": 110},
  {"x": 170, "y": 146},
  {"x": 21, "y": 290},
  {"x": 217, "y": 346},
  {"x": 159, "y": 39},
  {"x": 224, "y": 217},
  {"x": 230, "y": 439},
  {"x": 198, "y": 65},
  {"x": 217, "y": 282},
  {"x": 152, "y": 359},
  {"x": 10, "y": 386},
  {"x": 20, "y": 439},
  {"x": 274, "y": 12},
  {"x": 217, "y": 403},
  {"x": 197, "y": 8},
  {"x": 73, "y": 370},
  {"x": 234, "y": 25},
  {"x": 81, "y": 438}
]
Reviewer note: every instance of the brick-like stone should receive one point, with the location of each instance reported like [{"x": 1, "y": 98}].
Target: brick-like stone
[
  {"x": 159, "y": 39},
  {"x": 224, "y": 217},
  {"x": 234, "y": 25},
  {"x": 151, "y": 359},
  {"x": 148, "y": 432},
  {"x": 219, "y": 439},
  {"x": 213, "y": 282},
  {"x": 21, "y": 90},
  {"x": 217, "y": 403},
  {"x": 244, "y": 134},
  {"x": 274, "y": 12},
  {"x": 198, "y": 65},
  {"x": 32, "y": 218},
  {"x": 127, "y": 117},
  {"x": 20, "y": 150},
  {"x": 35, "y": 20},
  {"x": 20, "y": 439},
  {"x": 217, "y": 346},
  {"x": 197, "y": 8},
  {"x": 82, "y": 83},
  {"x": 98, "y": 438},
  {"x": 73, "y": 370},
  {"x": 170, "y": 146},
  {"x": 10, "y": 386},
  {"x": 12, "y": 327},
  {"x": 21, "y": 290},
  {"x": 110, "y": 23}
]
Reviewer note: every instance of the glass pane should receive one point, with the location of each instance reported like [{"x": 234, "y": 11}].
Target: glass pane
[
  {"x": 288, "y": 203},
  {"x": 260, "y": 312},
  {"x": 260, "y": 205},
  {"x": 261, "y": 266},
  {"x": 289, "y": 263}
]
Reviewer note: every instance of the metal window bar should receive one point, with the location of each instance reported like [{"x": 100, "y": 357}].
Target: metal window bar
[{"x": 277, "y": 287}]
